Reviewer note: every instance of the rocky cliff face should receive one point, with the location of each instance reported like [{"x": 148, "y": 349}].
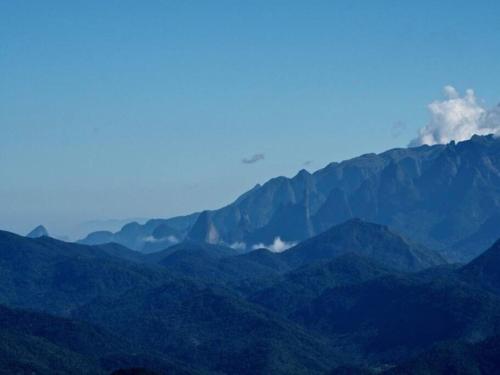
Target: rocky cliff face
[{"x": 437, "y": 195}]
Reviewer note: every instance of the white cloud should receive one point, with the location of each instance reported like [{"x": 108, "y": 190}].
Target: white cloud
[
  {"x": 170, "y": 239},
  {"x": 457, "y": 118},
  {"x": 238, "y": 246},
  {"x": 150, "y": 239},
  {"x": 277, "y": 246}
]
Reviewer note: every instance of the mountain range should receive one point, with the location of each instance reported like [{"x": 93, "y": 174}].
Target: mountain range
[
  {"x": 445, "y": 197},
  {"x": 383, "y": 264},
  {"x": 358, "y": 298},
  {"x": 154, "y": 235}
]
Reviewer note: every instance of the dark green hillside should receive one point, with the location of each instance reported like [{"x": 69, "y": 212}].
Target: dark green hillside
[
  {"x": 484, "y": 271},
  {"x": 220, "y": 265},
  {"x": 55, "y": 276},
  {"x": 38, "y": 343},
  {"x": 373, "y": 241},
  {"x": 393, "y": 317},
  {"x": 458, "y": 358},
  {"x": 301, "y": 286},
  {"x": 213, "y": 329}
]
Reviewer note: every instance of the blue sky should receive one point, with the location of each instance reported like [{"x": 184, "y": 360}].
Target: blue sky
[{"x": 116, "y": 109}]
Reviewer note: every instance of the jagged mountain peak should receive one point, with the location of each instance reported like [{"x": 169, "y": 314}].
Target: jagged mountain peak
[{"x": 39, "y": 231}]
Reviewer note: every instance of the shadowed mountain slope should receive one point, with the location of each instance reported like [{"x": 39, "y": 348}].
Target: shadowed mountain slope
[
  {"x": 212, "y": 328},
  {"x": 301, "y": 286},
  {"x": 394, "y": 317},
  {"x": 455, "y": 358},
  {"x": 37, "y": 343},
  {"x": 373, "y": 241},
  {"x": 39, "y": 231},
  {"x": 484, "y": 271},
  {"x": 55, "y": 276}
]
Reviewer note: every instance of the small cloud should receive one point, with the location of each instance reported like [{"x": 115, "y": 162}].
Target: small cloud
[
  {"x": 307, "y": 163},
  {"x": 277, "y": 246},
  {"x": 150, "y": 239},
  {"x": 238, "y": 246},
  {"x": 171, "y": 239},
  {"x": 253, "y": 159},
  {"x": 451, "y": 92}
]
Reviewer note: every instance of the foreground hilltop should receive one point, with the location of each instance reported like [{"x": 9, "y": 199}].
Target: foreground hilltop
[{"x": 357, "y": 295}]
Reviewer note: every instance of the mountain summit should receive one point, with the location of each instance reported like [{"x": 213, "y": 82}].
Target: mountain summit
[
  {"x": 372, "y": 241},
  {"x": 39, "y": 231}
]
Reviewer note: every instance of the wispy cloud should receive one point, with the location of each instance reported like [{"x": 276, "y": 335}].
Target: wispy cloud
[
  {"x": 277, "y": 246},
  {"x": 171, "y": 239},
  {"x": 253, "y": 159},
  {"x": 397, "y": 129},
  {"x": 307, "y": 163},
  {"x": 457, "y": 118},
  {"x": 238, "y": 246}
]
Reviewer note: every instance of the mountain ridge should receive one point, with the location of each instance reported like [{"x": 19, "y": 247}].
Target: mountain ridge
[{"x": 412, "y": 190}]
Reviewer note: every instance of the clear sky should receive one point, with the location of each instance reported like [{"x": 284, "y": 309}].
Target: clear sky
[{"x": 117, "y": 109}]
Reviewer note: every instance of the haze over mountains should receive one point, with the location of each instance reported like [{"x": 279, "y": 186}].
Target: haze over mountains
[{"x": 445, "y": 197}]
